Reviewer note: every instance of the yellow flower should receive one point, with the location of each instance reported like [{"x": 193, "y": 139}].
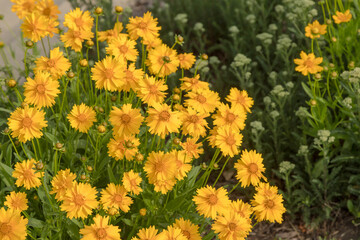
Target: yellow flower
[
  {"x": 162, "y": 121},
  {"x": 109, "y": 73},
  {"x": 126, "y": 146},
  {"x": 250, "y": 168},
  {"x": 78, "y": 20},
  {"x": 122, "y": 47},
  {"x": 242, "y": 209},
  {"x": 16, "y": 201},
  {"x": 160, "y": 166},
  {"x": 194, "y": 123},
  {"x": 188, "y": 229},
  {"x": 186, "y": 60},
  {"x": 231, "y": 226},
  {"x": 183, "y": 163},
  {"x": 308, "y": 63},
  {"x": 126, "y": 120},
  {"x": 47, "y": 8},
  {"x": 340, "y": 17},
  {"x": 23, "y": 7},
  {"x": 82, "y": 117},
  {"x": 162, "y": 61},
  {"x": 74, "y": 38},
  {"x": 79, "y": 201},
  {"x": 152, "y": 43},
  {"x": 145, "y": 27},
  {"x": 151, "y": 91},
  {"x": 12, "y": 225},
  {"x": 25, "y": 174},
  {"x": 100, "y": 230},
  {"x": 228, "y": 141},
  {"x": 193, "y": 84},
  {"x": 115, "y": 196},
  {"x": 26, "y": 123},
  {"x": 230, "y": 116},
  {"x": 315, "y": 29},
  {"x": 52, "y": 29},
  {"x": 131, "y": 182},
  {"x": 42, "y": 90},
  {"x": 111, "y": 34},
  {"x": 149, "y": 233},
  {"x": 61, "y": 182},
  {"x": 267, "y": 204},
  {"x": 56, "y": 65},
  {"x": 132, "y": 78},
  {"x": 164, "y": 186},
  {"x": 34, "y": 27},
  {"x": 240, "y": 99},
  {"x": 210, "y": 201},
  {"x": 171, "y": 233},
  {"x": 192, "y": 149},
  {"x": 203, "y": 100}
]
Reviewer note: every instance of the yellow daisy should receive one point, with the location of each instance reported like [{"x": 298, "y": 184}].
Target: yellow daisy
[
  {"x": 164, "y": 186},
  {"x": 183, "y": 163},
  {"x": 231, "y": 226},
  {"x": 194, "y": 123},
  {"x": 232, "y": 117},
  {"x": 78, "y": 20},
  {"x": 61, "y": 182},
  {"x": 122, "y": 47},
  {"x": 56, "y": 65},
  {"x": 228, "y": 141},
  {"x": 16, "y": 201},
  {"x": 149, "y": 233},
  {"x": 111, "y": 34},
  {"x": 308, "y": 63},
  {"x": 186, "y": 60},
  {"x": 191, "y": 148},
  {"x": 131, "y": 182},
  {"x": 132, "y": 78},
  {"x": 126, "y": 146},
  {"x": 240, "y": 99},
  {"x": 193, "y": 83},
  {"x": 172, "y": 233},
  {"x": 126, "y": 120},
  {"x": 34, "y": 27},
  {"x": 115, "y": 196},
  {"x": 26, "y": 174},
  {"x": 100, "y": 230},
  {"x": 340, "y": 17},
  {"x": 23, "y": 7},
  {"x": 241, "y": 208},
  {"x": 162, "y": 61},
  {"x": 152, "y": 43},
  {"x": 74, "y": 38},
  {"x": 202, "y": 100},
  {"x": 315, "y": 30},
  {"x": 12, "y": 225},
  {"x": 82, "y": 117},
  {"x": 159, "y": 166},
  {"x": 151, "y": 91},
  {"x": 145, "y": 27},
  {"x": 188, "y": 229},
  {"x": 47, "y": 8}
]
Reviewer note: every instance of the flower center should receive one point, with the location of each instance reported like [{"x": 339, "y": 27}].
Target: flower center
[
  {"x": 153, "y": 89},
  {"x": 79, "y": 200},
  {"x": 253, "y": 168},
  {"x": 190, "y": 147},
  {"x": 159, "y": 167},
  {"x": 101, "y": 233},
  {"x": 200, "y": 98},
  {"x": 76, "y": 34},
  {"x": 315, "y": 30},
  {"x": 50, "y": 63},
  {"x": 5, "y": 229},
  {"x": 27, "y": 174},
  {"x": 164, "y": 116},
  {"x": 40, "y": 88},
  {"x": 241, "y": 100},
  {"x": 232, "y": 226},
  {"x": 142, "y": 25},
  {"x": 15, "y": 203},
  {"x": 125, "y": 118},
  {"x": 212, "y": 200},
  {"x": 109, "y": 73},
  {"x": 193, "y": 119},
  {"x": 133, "y": 183},
  {"x": 166, "y": 59},
  {"x": 230, "y": 140},
  {"x": 79, "y": 22},
  {"x": 81, "y": 117},
  {"x": 269, "y": 203},
  {"x": 230, "y": 117},
  {"x": 186, "y": 234},
  {"x": 309, "y": 63},
  {"x": 26, "y": 122},
  {"x": 123, "y": 49},
  {"x": 117, "y": 198},
  {"x": 47, "y": 11}
]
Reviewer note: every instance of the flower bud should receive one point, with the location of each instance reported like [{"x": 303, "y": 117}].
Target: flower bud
[
  {"x": 6, "y": 131},
  {"x": 333, "y": 39},
  {"x": 331, "y": 65},
  {"x": 101, "y": 109},
  {"x": 142, "y": 211},
  {"x": 351, "y": 65},
  {"x": 113, "y": 98},
  {"x": 70, "y": 74},
  {"x": 89, "y": 43},
  {"x": 89, "y": 168},
  {"x": 118, "y": 9},
  {"x": 11, "y": 83},
  {"x": 334, "y": 75},
  {"x": 101, "y": 128},
  {"x": 17, "y": 143},
  {"x": 313, "y": 102},
  {"x": 39, "y": 166},
  {"x": 166, "y": 59},
  {"x": 176, "y": 97},
  {"x": 176, "y": 141},
  {"x": 24, "y": 104},
  {"x": 203, "y": 166},
  {"x": 139, "y": 157},
  {"x": 83, "y": 177},
  {"x": 204, "y": 56},
  {"x": 113, "y": 211},
  {"x": 83, "y": 63},
  {"x": 177, "y": 91},
  {"x": 83, "y": 159},
  {"x": 2, "y": 44},
  {"x": 29, "y": 44},
  {"x": 328, "y": 21},
  {"x": 36, "y": 198},
  {"x": 59, "y": 145},
  {"x": 98, "y": 10},
  {"x": 318, "y": 76},
  {"x": 216, "y": 166},
  {"x": 129, "y": 144}
]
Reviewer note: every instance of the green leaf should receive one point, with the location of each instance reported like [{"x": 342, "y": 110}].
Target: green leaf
[
  {"x": 6, "y": 172},
  {"x": 127, "y": 222},
  {"x": 111, "y": 175},
  {"x": 51, "y": 137},
  {"x": 35, "y": 223},
  {"x": 318, "y": 168},
  {"x": 5, "y": 110},
  {"x": 192, "y": 176}
]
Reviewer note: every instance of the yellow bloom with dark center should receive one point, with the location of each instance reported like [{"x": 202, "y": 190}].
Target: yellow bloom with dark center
[
  {"x": 16, "y": 201},
  {"x": 340, "y": 17},
  {"x": 42, "y": 90},
  {"x": 52, "y": 29},
  {"x": 82, "y": 117},
  {"x": 23, "y": 7},
  {"x": 203, "y": 100},
  {"x": 315, "y": 30},
  {"x": 111, "y": 34},
  {"x": 56, "y": 65},
  {"x": 151, "y": 91},
  {"x": 193, "y": 83},
  {"x": 242, "y": 209},
  {"x": 115, "y": 196},
  {"x": 186, "y": 60},
  {"x": 194, "y": 123},
  {"x": 126, "y": 120},
  {"x": 78, "y": 20},
  {"x": 152, "y": 43},
  {"x": 160, "y": 166},
  {"x": 228, "y": 141},
  {"x": 210, "y": 201},
  {"x": 100, "y": 230},
  {"x": 149, "y": 233},
  {"x": 231, "y": 226},
  {"x": 162, "y": 61},
  {"x": 183, "y": 163},
  {"x": 79, "y": 201},
  {"x": 308, "y": 63},
  {"x": 74, "y": 38},
  {"x": 230, "y": 116},
  {"x": 26, "y": 123},
  {"x": 188, "y": 229},
  {"x": 109, "y": 73},
  {"x": 126, "y": 146},
  {"x": 192, "y": 148},
  {"x": 132, "y": 78},
  {"x": 34, "y": 27},
  {"x": 162, "y": 121},
  {"x": 240, "y": 99},
  {"x": 61, "y": 182},
  {"x": 267, "y": 204},
  {"x": 12, "y": 225},
  {"x": 47, "y": 8},
  {"x": 124, "y": 48},
  {"x": 171, "y": 233},
  {"x": 131, "y": 182},
  {"x": 26, "y": 174},
  {"x": 250, "y": 168},
  {"x": 145, "y": 27}
]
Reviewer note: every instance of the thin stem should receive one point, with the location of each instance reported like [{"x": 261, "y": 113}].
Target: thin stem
[
  {"x": 14, "y": 146},
  {"x": 43, "y": 45},
  {"x": 221, "y": 171},
  {"x": 97, "y": 38}
]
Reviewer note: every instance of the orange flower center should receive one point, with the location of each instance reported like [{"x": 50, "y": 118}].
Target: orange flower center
[
  {"x": 309, "y": 63},
  {"x": 181, "y": 58},
  {"x": 27, "y": 122},
  {"x": 109, "y": 73},
  {"x": 230, "y": 117},
  {"x": 16, "y": 203},
  {"x": 159, "y": 166},
  {"x": 47, "y": 11},
  {"x": 133, "y": 183},
  {"x": 81, "y": 117},
  {"x": 27, "y": 174},
  {"x": 253, "y": 168},
  {"x": 101, "y": 233},
  {"x": 193, "y": 119},
  {"x": 125, "y": 118},
  {"x": 117, "y": 198},
  {"x": 230, "y": 140},
  {"x": 186, "y": 234},
  {"x": 200, "y": 98},
  {"x": 79, "y": 22},
  {"x": 153, "y": 89},
  {"x": 142, "y": 25},
  {"x": 232, "y": 226},
  {"x": 190, "y": 147},
  {"x": 40, "y": 88},
  {"x": 123, "y": 49},
  {"x": 50, "y": 63},
  {"x": 269, "y": 203},
  {"x": 241, "y": 100},
  {"x": 76, "y": 34},
  {"x": 213, "y": 199},
  {"x": 5, "y": 229},
  {"x": 79, "y": 200},
  {"x": 315, "y": 30},
  {"x": 164, "y": 116}
]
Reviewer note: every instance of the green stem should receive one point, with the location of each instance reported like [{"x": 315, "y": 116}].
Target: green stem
[
  {"x": 221, "y": 171},
  {"x": 14, "y": 146},
  {"x": 234, "y": 188},
  {"x": 97, "y": 38},
  {"x": 34, "y": 148},
  {"x": 43, "y": 45}
]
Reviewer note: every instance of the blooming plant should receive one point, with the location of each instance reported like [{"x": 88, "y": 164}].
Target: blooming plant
[{"x": 97, "y": 146}]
